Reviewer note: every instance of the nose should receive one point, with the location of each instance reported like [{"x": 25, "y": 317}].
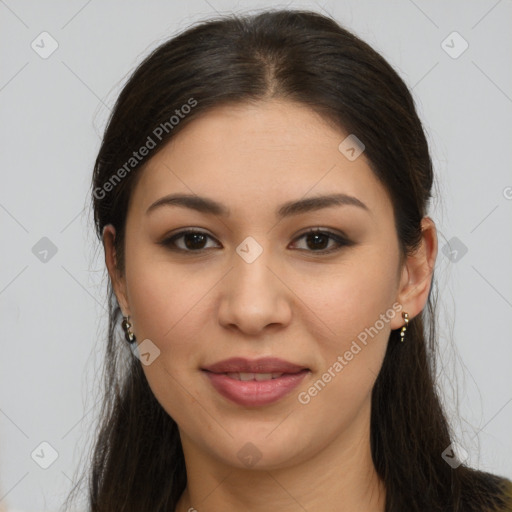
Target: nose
[{"x": 255, "y": 297}]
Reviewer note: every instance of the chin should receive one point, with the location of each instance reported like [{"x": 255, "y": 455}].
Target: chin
[{"x": 261, "y": 448}]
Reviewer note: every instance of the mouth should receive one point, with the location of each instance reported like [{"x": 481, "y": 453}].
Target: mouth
[{"x": 254, "y": 383}]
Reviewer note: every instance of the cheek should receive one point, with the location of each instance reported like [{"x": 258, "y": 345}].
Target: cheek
[
  {"x": 170, "y": 307},
  {"x": 356, "y": 305},
  {"x": 351, "y": 296},
  {"x": 352, "y": 308},
  {"x": 167, "y": 300},
  {"x": 168, "y": 310}
]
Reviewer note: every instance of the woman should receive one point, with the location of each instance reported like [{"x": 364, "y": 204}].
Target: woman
[{"x": 261, "y": 192}]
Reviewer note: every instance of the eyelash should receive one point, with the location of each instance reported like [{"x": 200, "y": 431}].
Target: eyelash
[{"x": 340, "y": 240}]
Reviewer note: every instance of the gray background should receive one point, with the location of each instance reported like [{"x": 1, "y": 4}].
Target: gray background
[{"x": 53, "y": 112}]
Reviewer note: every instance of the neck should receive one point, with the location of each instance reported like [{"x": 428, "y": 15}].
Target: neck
[{"x": 340, "y": 478}]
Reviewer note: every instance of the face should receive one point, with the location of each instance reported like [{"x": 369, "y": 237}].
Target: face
[{"x": 254, "y": 282}]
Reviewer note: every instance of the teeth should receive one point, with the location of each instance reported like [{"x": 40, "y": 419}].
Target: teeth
[
  {"x": 254, "y": 376},
  {"x": 263, "y": 376}
]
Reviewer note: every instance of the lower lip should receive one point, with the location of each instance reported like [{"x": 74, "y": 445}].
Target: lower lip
[{"x": 255, "y": 393}]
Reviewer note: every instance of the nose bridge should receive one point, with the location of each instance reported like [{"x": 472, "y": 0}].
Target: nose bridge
[
  {"x": 252, "y": 262},
  {"x": 253, "y": 296}
]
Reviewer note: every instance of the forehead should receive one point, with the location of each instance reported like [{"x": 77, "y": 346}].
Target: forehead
[{"x": 259, "y": 154}]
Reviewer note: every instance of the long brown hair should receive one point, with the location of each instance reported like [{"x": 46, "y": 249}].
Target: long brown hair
[{"x": 302, "y": 56}]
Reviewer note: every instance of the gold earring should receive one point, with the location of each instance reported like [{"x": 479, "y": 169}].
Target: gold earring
[
  {"x": 405, "y": 316},
  {"x": 128, "y": 334}
]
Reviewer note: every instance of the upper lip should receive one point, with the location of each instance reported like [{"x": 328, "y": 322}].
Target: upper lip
[{"x": 262, "y": 365}]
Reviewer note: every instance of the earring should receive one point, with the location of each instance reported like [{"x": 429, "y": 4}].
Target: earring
[
  {"x": 405, "y": 316},
  {"x": 128, "y": 334}
]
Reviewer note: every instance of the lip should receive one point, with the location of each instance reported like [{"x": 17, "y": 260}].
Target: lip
[
  {"x": 262, "y": 365},
  {"x": 254, "y": 393}
]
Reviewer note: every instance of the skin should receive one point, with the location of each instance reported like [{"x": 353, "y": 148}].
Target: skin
[{"x": 291, "y": 302}]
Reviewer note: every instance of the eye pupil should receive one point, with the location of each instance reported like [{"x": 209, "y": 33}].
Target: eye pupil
[
  {"x": 195, "y": 237},
  {"x": 316, "y": 237}
]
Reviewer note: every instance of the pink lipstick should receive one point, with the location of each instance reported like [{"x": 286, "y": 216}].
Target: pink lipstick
[{"x": 255, "y": 382}]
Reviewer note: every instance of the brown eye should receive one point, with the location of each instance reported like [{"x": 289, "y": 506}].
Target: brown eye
[
  {"x": 193, "y": 241},
  {"x": 317, "y": 240}
]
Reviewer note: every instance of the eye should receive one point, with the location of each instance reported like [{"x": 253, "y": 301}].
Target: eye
[
  {"x": 193, "y": 240},
  {"x": 316, "y": 239}
]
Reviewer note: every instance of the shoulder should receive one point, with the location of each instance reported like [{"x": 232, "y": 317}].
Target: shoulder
[{"x": 486, "y": 492}]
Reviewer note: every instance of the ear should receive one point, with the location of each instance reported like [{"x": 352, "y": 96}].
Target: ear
[
  {"x": 416, "y": 277},
  {"x": 117, "y": 279}
]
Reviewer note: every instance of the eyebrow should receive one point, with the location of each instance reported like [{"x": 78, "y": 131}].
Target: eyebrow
[{"x": 209, "y": 206}]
